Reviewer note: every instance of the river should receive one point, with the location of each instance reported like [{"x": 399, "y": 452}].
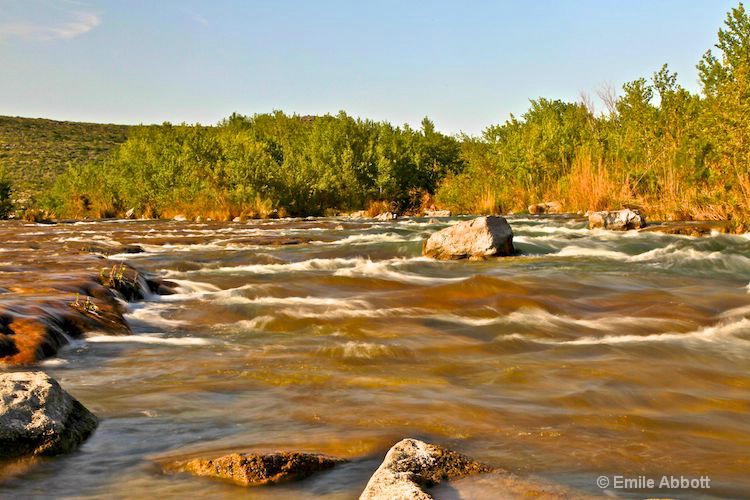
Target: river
[{"x": 591, "y": 353}]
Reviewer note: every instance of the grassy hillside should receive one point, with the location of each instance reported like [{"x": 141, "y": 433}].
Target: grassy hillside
[{"x": 34, "y": 151}]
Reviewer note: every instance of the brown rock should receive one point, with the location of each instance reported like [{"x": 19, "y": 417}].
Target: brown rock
[
  {"x": 257, "y": 469},
  {"x": 549, "y": 207}
]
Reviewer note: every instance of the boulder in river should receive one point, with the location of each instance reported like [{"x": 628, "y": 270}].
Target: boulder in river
[
  {"x": 37, "y": 417},
  {"x": 259, "y": 469},
  {"x": 548, "y": 207},
  {"x": 489, "y": 236},
  {"x": 387, "y": 216},
  {"x": 617, "y": 220},
  {"x": 411, "y": 465},
  {"x": 130, "y": 214}
]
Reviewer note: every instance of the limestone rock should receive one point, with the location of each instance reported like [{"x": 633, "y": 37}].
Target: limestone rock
[
  {"x": 130, "y": 214},
  {"x": 617, "y": 220},
  {"x": 387, "y": 216},
  {"x": 260, "y": 469},
  {"x": 476, "y": 239},
  {"x": 411, "y": 466},
  {"x": 37, "y": 417},
  {"x": 360, "y": 214}
]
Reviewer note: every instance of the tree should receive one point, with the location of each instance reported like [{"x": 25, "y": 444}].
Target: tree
[{"x": 726, "y": 85}]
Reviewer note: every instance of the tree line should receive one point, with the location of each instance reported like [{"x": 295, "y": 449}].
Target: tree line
[{"x": 656, "y": 145}]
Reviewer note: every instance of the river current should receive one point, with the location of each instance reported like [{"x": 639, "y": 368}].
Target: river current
[{"x": 590, "y": 353}]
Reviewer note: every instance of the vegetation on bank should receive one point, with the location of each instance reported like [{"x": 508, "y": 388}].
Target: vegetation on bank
[
  {"x": 657, "y": 146},
  {"x": 6, "y": 202},
  {"x": 675, "y": 154},
  {"x": 248, "y": 166}
]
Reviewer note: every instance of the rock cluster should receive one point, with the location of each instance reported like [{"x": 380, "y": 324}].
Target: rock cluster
[
  {"x": 617, "y": 220},
  {"x": 479, "y": 238},
  {"x": 387, "y": 216},
  {"x": 37, "y": 417}
]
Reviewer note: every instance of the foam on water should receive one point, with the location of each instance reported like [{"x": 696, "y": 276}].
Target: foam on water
[
  {"x": 153, "y": 339},
  {"x": 720, "y": 332},
  {"x": 540, "y": 317},
  {"x": 368, "y": 239}
]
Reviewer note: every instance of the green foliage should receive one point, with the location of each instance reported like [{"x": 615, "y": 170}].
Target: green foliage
[
  {"x": 6, "y": 202},
  {"x": 659, "y": 146},
  {"x": 249, "y": 165},
  {"x": 35, "y": 151}
]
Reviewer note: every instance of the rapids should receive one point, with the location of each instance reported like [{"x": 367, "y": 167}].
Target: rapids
[{"x": 590, "y": 353}]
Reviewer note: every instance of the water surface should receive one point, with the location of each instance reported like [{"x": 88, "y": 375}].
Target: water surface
[{"x": 591, "y": 353}]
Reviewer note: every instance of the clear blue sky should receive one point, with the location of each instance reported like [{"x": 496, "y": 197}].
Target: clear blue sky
[{"x": 465, "y": 64}]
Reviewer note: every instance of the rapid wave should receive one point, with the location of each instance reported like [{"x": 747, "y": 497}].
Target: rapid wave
[
  {"x": 539, "y": 317},
  {"x": 363, "y": 351},
  {"x": 719, "y": 332},
  {"x": 149, "y": 339},
  {"x": 368, "y": 239},
  {"x": 341, "y": 266}
]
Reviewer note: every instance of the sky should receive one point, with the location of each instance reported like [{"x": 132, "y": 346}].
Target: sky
[{"x": 466, "y": 65}]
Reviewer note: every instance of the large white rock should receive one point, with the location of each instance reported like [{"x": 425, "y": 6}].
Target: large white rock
[
  {"x": 412, "y": 465},
  {"x": 617, "y": 220},
  {"x": 475, "y": 239},
  {"x": 37, "y": 417}
]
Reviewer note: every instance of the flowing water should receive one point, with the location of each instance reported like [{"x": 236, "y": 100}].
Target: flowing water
[{"x": 591, "y": 353}]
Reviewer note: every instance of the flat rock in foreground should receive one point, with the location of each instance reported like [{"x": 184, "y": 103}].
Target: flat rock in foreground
[
  {"x": 617, "y": 220},
  {"x": 411, "y": 466},
  {"x": 479, "y": 238},
  {"x": 37, "y": 417},
  {"x": 260, "y": 469}
]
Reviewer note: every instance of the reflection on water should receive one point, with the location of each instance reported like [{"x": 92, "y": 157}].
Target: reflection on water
[{"x": 591, "y": 353}]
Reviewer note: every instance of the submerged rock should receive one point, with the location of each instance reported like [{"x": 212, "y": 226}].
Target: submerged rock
[
  {"x": 482, "y": 237},
  {"x": 386, "y": 216},
  {"x": 37, "y": 417},
  {"x": 437, "y": 213},
  {"x": 410, "y": 466},
  {"x": 690, "y": 228},
  {"x": 549, "y": 207},
  {"x": 617, "y": 220},
  {"x": 260, "y": 469}
]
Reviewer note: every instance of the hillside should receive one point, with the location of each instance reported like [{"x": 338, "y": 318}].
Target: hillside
[{"x": 34, "y": 151}]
